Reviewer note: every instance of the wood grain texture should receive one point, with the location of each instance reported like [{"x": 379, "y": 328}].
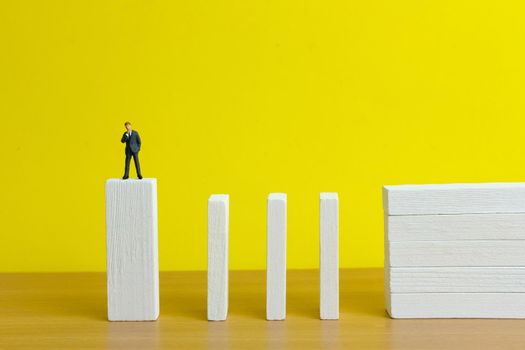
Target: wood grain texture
[
  {"x": 132, "y": 250},
  {"x": 66, "y": 311},
  {"x": 456, "y": 279},
  {"x": 457, "y": 305},
  {"x": 455, "y": 227},
  {"x": 218, "y": 227},
  {"x": 329, "y": 256},
  {"x": 455, "y": 253},
  {"x": 276, "y": 257},
  {"x": 454, "y": 199}
]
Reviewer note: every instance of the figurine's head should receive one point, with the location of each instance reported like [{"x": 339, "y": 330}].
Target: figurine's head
[{"x": 127, "y": 125}]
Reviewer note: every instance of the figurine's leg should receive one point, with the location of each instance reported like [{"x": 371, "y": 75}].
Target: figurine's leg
[
  {"x": 126, "y": 165},
  {"x": 137, "y": 164}
]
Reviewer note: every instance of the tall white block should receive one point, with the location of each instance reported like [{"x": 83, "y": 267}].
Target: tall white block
[
  {"x": 329, "y": 256},
  {"x": 132, "y": 250},
  {"x": 276, "y": 257},
  {"x": 218, "y": 225}
]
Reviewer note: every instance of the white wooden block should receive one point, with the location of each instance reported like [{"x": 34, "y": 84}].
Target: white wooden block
[
  {"x": 455, "y": 227},
  {"x": 218, "y": 226},
  {"x": 457, "y": 305},
  {"x": 276, "y": 257},
  {"x": 329, "y": 256},
  {"x": 456, "y": 253},
  {"x": 456, "y": 279},
  {"x": 454, "y": 198},
  {"x": 132, "y": 250},
  {"x": 387, "y": 291}
]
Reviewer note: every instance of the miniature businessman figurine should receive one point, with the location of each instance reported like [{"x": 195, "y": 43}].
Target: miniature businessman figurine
[{"x": 132, "y": 139}]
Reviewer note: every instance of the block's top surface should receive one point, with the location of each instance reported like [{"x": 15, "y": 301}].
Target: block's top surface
[
  {"x": 132, "y": 181},
  {"x": 219, "y": 198},
  {"x": 329, "y": 195},
  {"x": 277, "y": 196},
  {"x": 456, "y": 186},
  {"x": 470, "y": 198},
  {"x": 130, "y": 184}
]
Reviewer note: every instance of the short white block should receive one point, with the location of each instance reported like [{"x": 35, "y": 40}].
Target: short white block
[
  {"x": 218, "y": 226},
  {"x": 454, "y": 227},
  {"x": 329, "y": 256},
  {"x": 481, "y": 198},
  {"x": 132, "y": 250},
  {"x": 455, "y": 253},
  {"x": 456, "y": 279},
  {"x": 276, "y": 257},
  {"x": 456, "y": 305}
]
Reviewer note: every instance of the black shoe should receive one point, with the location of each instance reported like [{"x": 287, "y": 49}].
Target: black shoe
[
  {"x": 140, "y": 177},
  {"x": 125, "y": 177}
]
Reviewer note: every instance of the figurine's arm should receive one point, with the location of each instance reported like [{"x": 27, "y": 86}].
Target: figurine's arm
[
  {"x": 139, "y": 142},
  {"x": 124, "y": 137}
]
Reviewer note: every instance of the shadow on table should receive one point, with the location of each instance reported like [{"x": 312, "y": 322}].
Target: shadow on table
[
  {"x": 91, "y": 300},
  {"x": 183, "y": 294},
  {"x": 362, "y": 292},
  {"x": 369, "y": 303},
  {"x": 248, "y": 294}
]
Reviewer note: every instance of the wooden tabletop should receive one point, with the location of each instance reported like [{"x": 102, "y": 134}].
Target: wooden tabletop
[{"x": 68, "y": 311}]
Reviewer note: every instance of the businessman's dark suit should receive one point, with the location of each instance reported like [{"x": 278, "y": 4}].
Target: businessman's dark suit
[{"x": 132, "y": 150}]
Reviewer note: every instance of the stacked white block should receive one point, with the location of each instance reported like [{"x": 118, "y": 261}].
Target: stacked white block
[
  {"x": 329, "y": 255},
  {"x": 276, "y": 257},
  {"x": 218, "y": 225},
  {"x": 132, "y": 250},
  {"x": 455, "y": 251}
]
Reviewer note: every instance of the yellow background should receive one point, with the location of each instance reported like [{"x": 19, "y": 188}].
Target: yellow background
[{"x": 246, "y": 98}]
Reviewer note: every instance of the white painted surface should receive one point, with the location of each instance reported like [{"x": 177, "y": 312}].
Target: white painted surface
[
  {"x": 454, "y": 198},
  {"x": 218, "y": 226},
  {"x": 455, "y": 227},
  {"x": 456, "y": 279},
  {"x": 276, "y": 257},
  {"x": 457, "y": 305},
  {"x": 456, "y": 253},
  {"x": 329, "y": 256},
  {"x": 132, "y": 250}
]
